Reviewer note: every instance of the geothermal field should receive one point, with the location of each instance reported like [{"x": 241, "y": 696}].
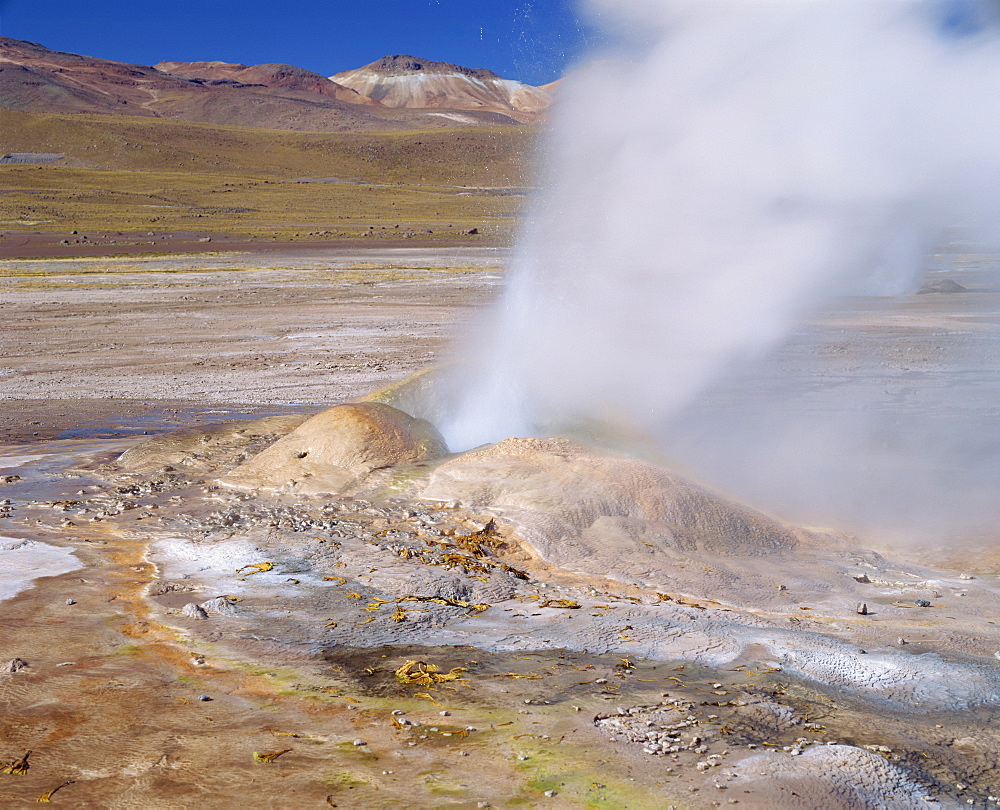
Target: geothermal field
[
  {"x": 687, "y": 499},
  {"x": 214, "y": 588}
]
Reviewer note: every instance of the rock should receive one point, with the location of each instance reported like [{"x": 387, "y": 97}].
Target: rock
[
  {"x": 862, "y": 609},
  {"x": 942, "y": 285},
  {"x": 194, "y": 611},
  {"x": 922, "y": 603},
  {"x": 219, "y": 605},
  {"x": 204, "y": 698},
  {"x": 358, "y": 742},
  {"x": 338, "y": 448},
  {"x": 15, "y": 665}
]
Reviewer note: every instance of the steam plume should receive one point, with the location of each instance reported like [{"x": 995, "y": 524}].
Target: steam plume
[{"x": 725, "y": 169}]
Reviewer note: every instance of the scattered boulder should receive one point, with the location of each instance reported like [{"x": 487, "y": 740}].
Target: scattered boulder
[{"x": 339, "y": 447}]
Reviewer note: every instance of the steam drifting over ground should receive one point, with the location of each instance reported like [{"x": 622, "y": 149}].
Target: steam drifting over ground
[{"x": 728, "y": 170}]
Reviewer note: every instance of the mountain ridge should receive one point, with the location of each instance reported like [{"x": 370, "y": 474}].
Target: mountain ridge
[{"x": 34, "y": 78}]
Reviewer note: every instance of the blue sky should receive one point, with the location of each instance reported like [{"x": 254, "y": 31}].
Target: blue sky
[{"x": 530, "y": 40}]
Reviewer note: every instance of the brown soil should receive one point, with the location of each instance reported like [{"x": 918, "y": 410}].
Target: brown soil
[{"x": 27, "y": 245}]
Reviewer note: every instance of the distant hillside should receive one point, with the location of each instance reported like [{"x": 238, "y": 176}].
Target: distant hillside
[
  {"x": 98, "y": 174},
  {"x": 408, "y": 82},
  {"x": 275, "y": 77},
  {"x": 34, "y": 78}
]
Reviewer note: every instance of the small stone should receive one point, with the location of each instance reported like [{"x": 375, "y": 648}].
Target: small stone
[
  {"x": 523, "y": 757},
  {"x": 358, "y": 742},
  {"x": 15, "y": 665},
  {"x": 922, "y": 603},
  {"x": 601, "y": 680},
  {"x": 398, "y": 712},
  {"x": 70, "y": 601},
  {"x": 862, "y": 609},
  {"x": 863, "y": 579},
  {"x": 204, "y": 697},
  {"x": 445, "y": 714},
  {"x": 549, "y": 793}
]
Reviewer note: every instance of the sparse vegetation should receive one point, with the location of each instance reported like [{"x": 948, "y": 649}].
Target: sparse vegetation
[{"x": 129, "y": 174}]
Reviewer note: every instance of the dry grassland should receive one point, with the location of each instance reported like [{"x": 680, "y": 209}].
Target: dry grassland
[{"x": 126, "y": 174}]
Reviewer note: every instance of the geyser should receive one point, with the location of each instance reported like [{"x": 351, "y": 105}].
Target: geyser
[{"x": 725, "y": 169}]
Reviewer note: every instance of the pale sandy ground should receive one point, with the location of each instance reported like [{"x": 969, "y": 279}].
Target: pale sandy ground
[
  {"x": 94, "y": 344},
  {"x": 772, "y": 698}
]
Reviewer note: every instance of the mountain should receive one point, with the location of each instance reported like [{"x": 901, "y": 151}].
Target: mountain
[
  {"x": 34, "y": 78},
  {"x": 408, "y": 82},
  {"x": 276, "y": 77}
]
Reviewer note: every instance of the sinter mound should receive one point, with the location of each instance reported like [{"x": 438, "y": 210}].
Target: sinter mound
[
  {"x": 336, "y": 449},
  {"x": 576, "y": 503}
]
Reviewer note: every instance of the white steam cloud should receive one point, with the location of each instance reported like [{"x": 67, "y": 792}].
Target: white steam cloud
[{"x": 724, "y": 170}]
